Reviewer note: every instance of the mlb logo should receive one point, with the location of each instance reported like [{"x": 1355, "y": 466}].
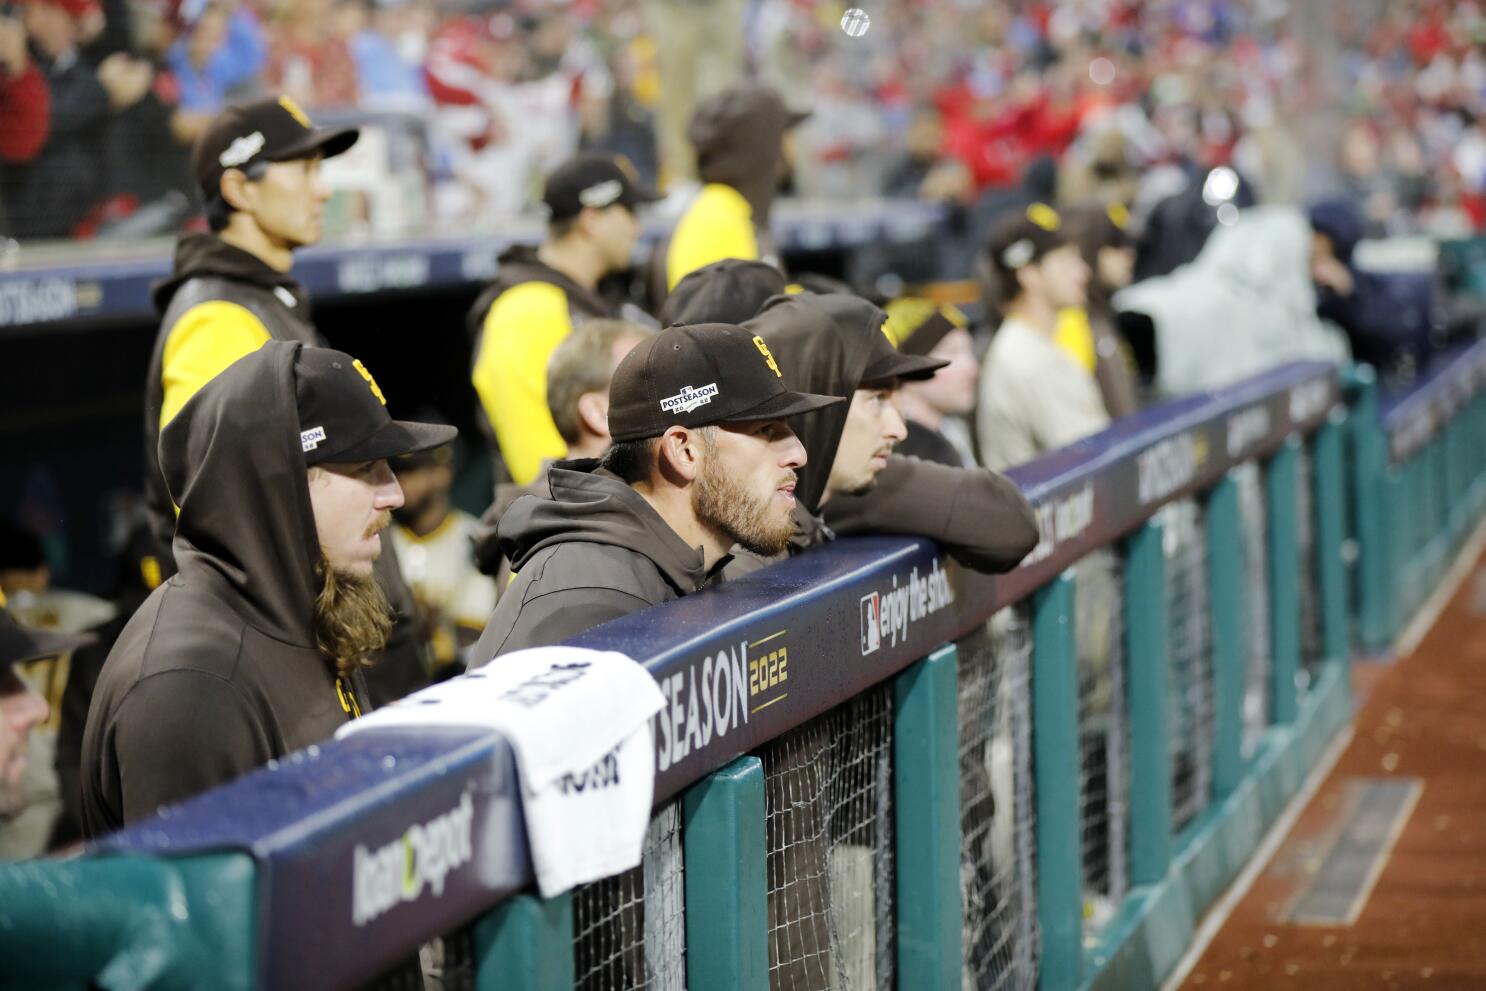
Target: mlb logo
[{"x": 871, "y": 625}]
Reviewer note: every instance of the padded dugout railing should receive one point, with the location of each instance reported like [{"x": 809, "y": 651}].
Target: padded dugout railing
[{"x": 874, "y": 769}]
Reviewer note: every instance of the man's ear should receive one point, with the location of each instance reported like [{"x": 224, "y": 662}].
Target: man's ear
[
  {"x": 235, "y": 189},
  {"x": 680, "y": 455},
  {"x": 593, "y": 413}
]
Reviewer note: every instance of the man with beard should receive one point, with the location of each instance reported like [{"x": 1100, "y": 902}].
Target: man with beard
[
  {"x": 254, "y": 648},
  {"x": 258, "y": 166},
  {"x": 702, "y": 459},
  {"x": 835, "y": 345}
]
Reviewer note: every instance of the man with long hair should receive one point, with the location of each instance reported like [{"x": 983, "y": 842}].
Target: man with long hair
[{"x": 256, "y": 647}]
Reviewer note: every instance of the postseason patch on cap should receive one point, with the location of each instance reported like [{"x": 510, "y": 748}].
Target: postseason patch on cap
[
  {"x": 241, "y": 150},
  {"x": 689, "y": 399},
  {"x": 311, "y": 438},
  {"x": 602, "y": 194}
]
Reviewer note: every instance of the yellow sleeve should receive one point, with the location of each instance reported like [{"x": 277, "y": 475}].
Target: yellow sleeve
[
  {"x": 525, "y": 324},
  {"x": 201, "y": 344},
  {"x": 718, "y": 225},
  {"x": 1075, "y": 336}
]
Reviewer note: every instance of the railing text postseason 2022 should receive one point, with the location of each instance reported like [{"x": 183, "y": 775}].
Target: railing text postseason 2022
[{"x": 874, "y": 769}]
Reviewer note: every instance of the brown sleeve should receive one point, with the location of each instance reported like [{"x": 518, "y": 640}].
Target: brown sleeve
[
  {"x": 178, "y": 734},
  {"x": 978, "y": 515}
]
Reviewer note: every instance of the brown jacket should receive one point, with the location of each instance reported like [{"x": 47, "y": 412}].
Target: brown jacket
[
  {"x": 979, "y": 516},
  {"x": 217, "y": 673},
  {"x": 593, "y": 552}
]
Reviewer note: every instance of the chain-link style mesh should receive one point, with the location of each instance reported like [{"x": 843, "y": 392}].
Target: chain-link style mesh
[
  {"x": 998, "y": 888},
  {"x": 1253, "y": 519},
  {"x": 828, "y": 796},
  {"x": 1310, "y": 588},
  {"x": 1104, "y": 778},
  {"x": 630, "y": 930},
  {"x": 1189, "y": 685}
]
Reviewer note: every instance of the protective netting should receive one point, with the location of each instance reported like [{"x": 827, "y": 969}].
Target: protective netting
[
  {"x": 1254, "y": 522},
  {"x": 630, "y": 930},
  {"x": 1104, "y": 777},
  {"x": 1189, "y": 684},
  {"x": 1311, "y": 647},
  {"x": 828, "y": 798},
  {"x": 998, "y": 886}
]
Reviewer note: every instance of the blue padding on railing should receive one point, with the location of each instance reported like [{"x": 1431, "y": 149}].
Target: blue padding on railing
[
  {"x": 738, "y": 665},
  {"x": 82, "y": 292},
  {"x": 315, "y": 823},
  {"x": 1413, "y": 415}
]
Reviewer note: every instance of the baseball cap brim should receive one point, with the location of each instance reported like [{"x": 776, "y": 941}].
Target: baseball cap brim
[
  {"x": 395, "y": 438},
  {"x": 19, "y": 644},
  {"x": 326, "y": 142},
  {"x": 783, "y": 405},
  {"x": 897, "y": 365}
]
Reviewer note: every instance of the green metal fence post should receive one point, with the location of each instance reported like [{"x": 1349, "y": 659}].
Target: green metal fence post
[
  {"x": 1056, "y": 760},
  {"x": 727, "y": 917},
  {"x": 1146, "y": 682},
  {"x": 1330, "y": 510},
  {"x": 1284, "y": 580},
  {"x": 1227, "y": 597},
  {"x": 526, "y": 944},
  {"x": 926, "y": 806},
  {"x": 1369, "y": 462}
]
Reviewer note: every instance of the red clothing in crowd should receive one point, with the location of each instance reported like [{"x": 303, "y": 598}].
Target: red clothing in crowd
[{"x": 25, "y": 115}]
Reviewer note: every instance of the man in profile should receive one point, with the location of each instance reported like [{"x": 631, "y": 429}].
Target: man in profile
[
  {"x": 255, "y": 647},
  {"x": 702, "y": 459}
]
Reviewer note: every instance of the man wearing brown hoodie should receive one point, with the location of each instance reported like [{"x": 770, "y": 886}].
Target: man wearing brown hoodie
[
  {"x": 258, "y": 166},
  {"x": 835, "y": 345},
  {"x": 256, "y": 646},
  {"x": 739, "y": 135}
]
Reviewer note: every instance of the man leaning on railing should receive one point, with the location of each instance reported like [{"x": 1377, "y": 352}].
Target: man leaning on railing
[{"x": 703, "y": 458}]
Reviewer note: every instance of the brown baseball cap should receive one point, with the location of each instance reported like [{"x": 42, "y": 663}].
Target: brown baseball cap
[
  {"x": 697, "y": 375},
  {"x": 273, "y": 130},
  {"x": 596, "y": 181},
  {"x": 19, "y": 644},
  {"x": 343, "y": 415}
]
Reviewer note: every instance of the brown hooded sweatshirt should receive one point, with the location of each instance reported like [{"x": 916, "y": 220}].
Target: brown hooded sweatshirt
[
  {"x": 738, "y": 135},
  {"x": 593, "y": 552},
  {"x": 217, "y": 673},
  {"x": 232, "y": 301},
  {"x": 980, "y": 517}
]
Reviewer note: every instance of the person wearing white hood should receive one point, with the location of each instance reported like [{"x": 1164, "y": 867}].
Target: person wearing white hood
[{"x": 1245, "y": 304}]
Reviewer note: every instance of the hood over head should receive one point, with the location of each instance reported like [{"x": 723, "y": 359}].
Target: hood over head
[
  {"x": 728, "y": 291},
  {"x": 234, "y": 463},
  {"x": 207, "y": 254},
  {"x": 591, "y": 504},
  {"x": 738, "y": 135},
  {"x": 823, "y": 344}
]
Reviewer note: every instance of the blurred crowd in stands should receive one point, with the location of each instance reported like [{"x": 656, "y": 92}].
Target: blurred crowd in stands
[{"x": 946, "y": 100}]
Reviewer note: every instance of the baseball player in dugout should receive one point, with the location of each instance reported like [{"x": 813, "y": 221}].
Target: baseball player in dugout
[
  {"x": 835, "y": 345},
  {"x": 702, "y": 459},
  {"x": 741, "y": 137},
  {"x": 540, "y": 294},
  {"x": 256, "y": 647},
  {"x": 258, "y": 166},
  {"x": 578, "y": 378}
]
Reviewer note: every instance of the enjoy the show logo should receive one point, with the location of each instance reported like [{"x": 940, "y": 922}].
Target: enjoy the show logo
[{"x": 887, "y": 615}]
